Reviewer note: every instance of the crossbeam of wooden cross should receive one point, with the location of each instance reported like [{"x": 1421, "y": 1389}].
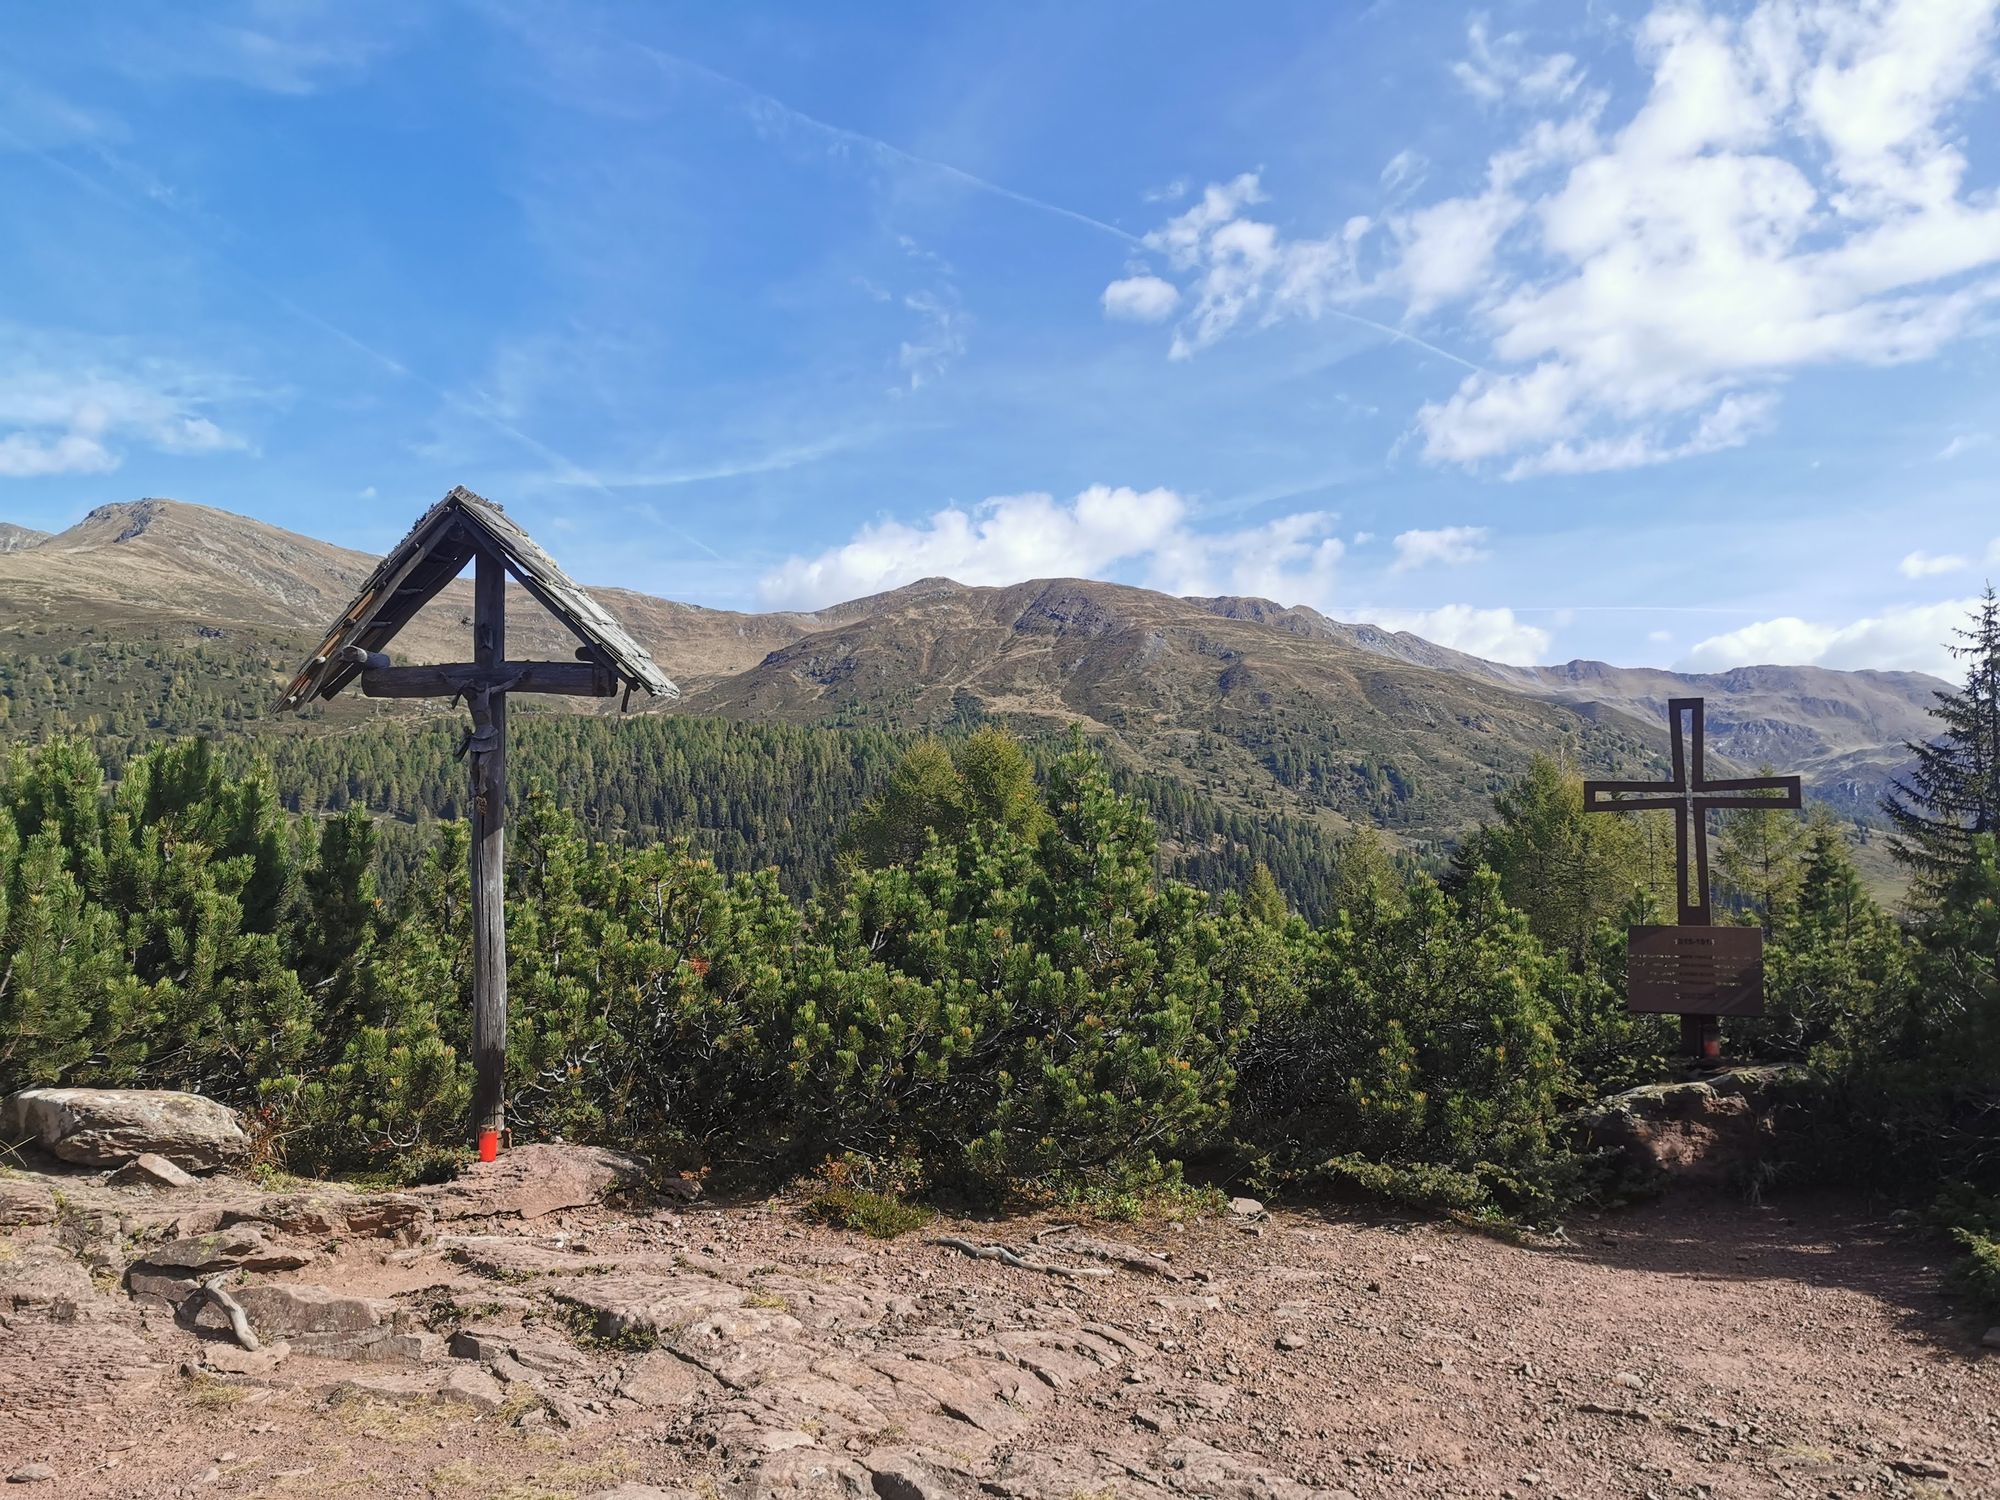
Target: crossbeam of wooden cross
[{"x": 1691, "y": 795}]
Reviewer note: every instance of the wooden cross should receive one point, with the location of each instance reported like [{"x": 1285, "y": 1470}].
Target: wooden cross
[
  {"x": 1691, "y": 796},
  {"x": 461, "y": 528},
  {"x": 1697, "y": 969}
]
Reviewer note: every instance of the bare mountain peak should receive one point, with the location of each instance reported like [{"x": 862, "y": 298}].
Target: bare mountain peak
[{"x": 15, "y": 538}]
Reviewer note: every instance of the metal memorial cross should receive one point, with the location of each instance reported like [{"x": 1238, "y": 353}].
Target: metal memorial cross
[
  {"x": 464, "y": 528},
  {"x": 1696, "y": 969}
]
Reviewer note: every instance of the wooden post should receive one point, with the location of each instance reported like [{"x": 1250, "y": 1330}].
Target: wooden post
[{"x": 489, "y": 860}]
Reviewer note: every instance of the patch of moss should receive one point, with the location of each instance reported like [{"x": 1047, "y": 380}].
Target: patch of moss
[{"x": 876, "y": 1215}]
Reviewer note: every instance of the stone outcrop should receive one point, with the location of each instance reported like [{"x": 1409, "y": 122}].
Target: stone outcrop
[
  {"x": 1709, "y": 1132},
  {"x": 109, "y": 1127},
  {"x": 333, "y": 1325},
  {"x": 529, "y": 1182}
]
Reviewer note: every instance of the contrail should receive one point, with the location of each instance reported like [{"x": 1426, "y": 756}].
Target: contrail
[
  {"x": 573, "y": 472},
  {"x": 874, "y": 145},
  {"x": 1397, "y": 334}
]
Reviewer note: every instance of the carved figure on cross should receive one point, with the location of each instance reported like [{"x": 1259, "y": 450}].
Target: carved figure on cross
[{"x": 1691, "y": 796}]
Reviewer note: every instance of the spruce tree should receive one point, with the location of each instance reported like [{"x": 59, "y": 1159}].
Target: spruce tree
[{"x": 1952, "y": 792}]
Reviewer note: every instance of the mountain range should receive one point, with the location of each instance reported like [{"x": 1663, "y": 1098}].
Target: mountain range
[{"x": 1257, "y": 703}]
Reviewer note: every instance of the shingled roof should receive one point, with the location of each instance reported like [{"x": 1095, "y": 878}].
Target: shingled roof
[{"x": 436, "y": 551}]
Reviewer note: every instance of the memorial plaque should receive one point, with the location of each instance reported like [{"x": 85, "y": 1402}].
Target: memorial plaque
[{"x": 1705, "y": 971}]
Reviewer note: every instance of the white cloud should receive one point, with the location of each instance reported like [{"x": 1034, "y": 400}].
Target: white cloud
[
  {"x": 1404, "y": 171},
  {"x": 1660, "y": 637},
  {"x": 1492, "y": 633},
  {"x": 941, "y": 340},
  {"x": 1011, "y": 538},
  {"x": 1909, "y": 638},
  {"x": 1963, "y": 443},
  {"x": 23, "y": 456},
  {"x": 1449, "y": 546},
  {"x": 1793, "y": 191},
  {"x": 1143, "y": 534},
  {"x": 1291, "y": 560},
  {"x": 277, "y": 46},
  {"x": 72, "y": 406},
  {"x": 1924, "y": 565},
  {"x": 1496, "y": 68},
  {"x": 1238, "y": 266},
  {"x": 1141, "y": 299},
  {"x": 1002, "y": 540}
]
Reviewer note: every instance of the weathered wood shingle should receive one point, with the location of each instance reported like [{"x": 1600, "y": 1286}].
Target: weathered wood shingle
[{"x": 436, "y": 551}]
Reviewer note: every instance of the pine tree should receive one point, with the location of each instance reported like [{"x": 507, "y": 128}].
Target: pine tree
[
  {"x": 1565, "y": 869},
  {"x": 1952, "y": 794},
  {"x": 1758, "y": 860},
  {"x": 1263, "y": 902}
]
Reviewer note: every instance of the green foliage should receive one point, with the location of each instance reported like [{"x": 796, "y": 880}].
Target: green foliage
[
  {"x": 141, "y": 924},
  {"x": 1005, "y": 995},
  {"x": 877, "y": 1215},
  {"x": 1564, "y": 869},
  {"x": 1759, "y": 861},
  {"x": 983, "y": 784},
  {"x": 1952, "y": 794},
  {"x": 1423, "y": 1044}
]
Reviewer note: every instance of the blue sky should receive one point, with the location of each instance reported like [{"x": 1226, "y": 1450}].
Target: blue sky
[{"x": 1662, "y": 333}]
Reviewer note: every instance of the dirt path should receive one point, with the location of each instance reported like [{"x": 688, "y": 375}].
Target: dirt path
[{"x": 1686, "y": 1348}]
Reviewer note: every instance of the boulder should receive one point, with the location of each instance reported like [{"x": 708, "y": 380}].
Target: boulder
[
  {"x": 530, "y": 1181},
  {"x": 109, "y": 1127},
  {"x": 1709, "y": 1132}
]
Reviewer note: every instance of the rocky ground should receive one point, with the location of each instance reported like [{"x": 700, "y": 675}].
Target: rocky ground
[{"x": 513, "y": 1334}]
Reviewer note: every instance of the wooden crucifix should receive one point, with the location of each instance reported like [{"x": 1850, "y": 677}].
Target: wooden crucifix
[
  {"x": 464, "y": 528},
  {"x": 1698, "y": 970}
]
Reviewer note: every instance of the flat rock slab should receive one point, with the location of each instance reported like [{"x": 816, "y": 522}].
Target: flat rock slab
[
  {"x": 229, "y": 1359},
  {"x": 333, "y": 1325},
  {"x": 403, "y": 1217},
  {"x": 463, "y": 1385},
  {"x": 59, "y": 1366},
  {"x": 24, "y": 1202},
  {"x": 37, "y": 1276},
  {"x": 109, "y": 1127},
  {"x": 660, "y": 1379},
  {"x": 237, "y": 1248},
  {"x": 530, "y": 1181}
]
